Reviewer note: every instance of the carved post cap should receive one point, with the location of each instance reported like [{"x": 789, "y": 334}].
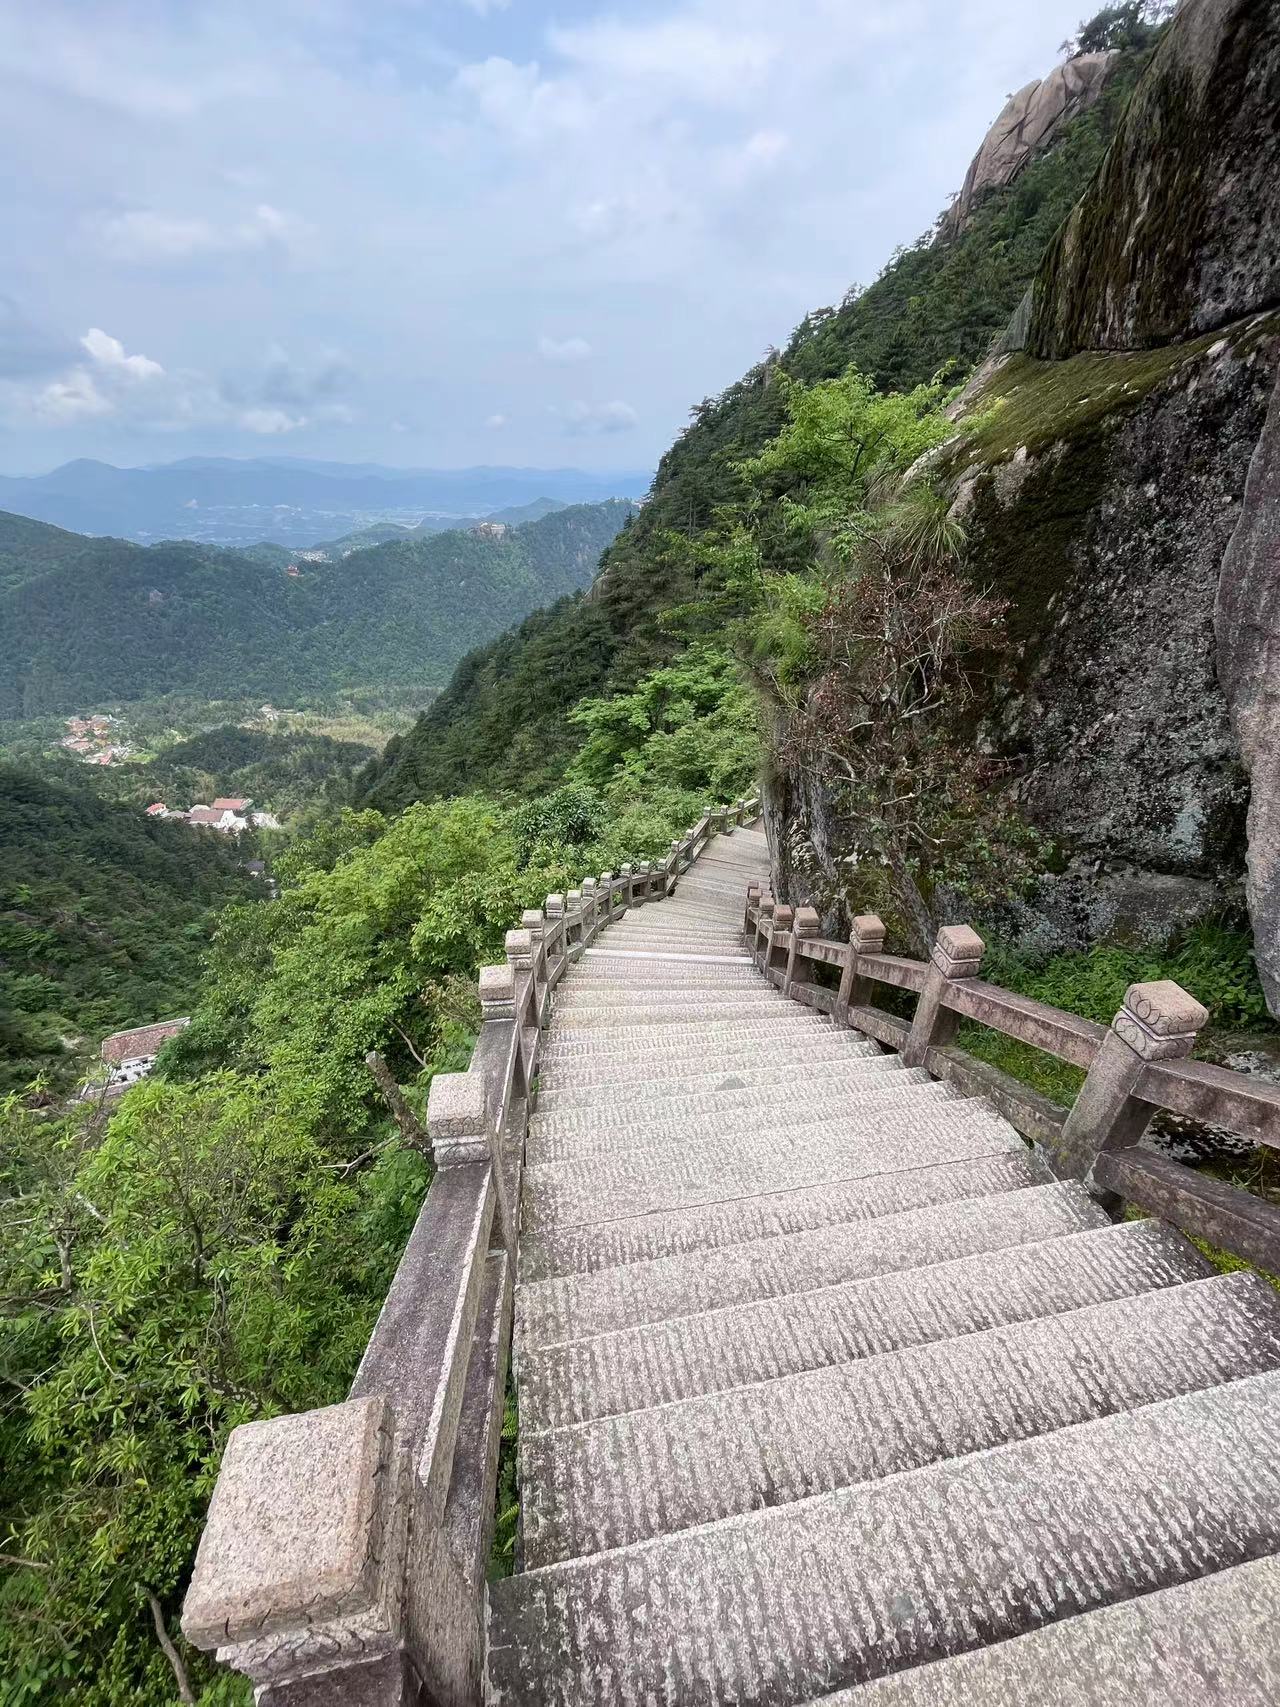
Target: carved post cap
[
  {"x": 457, "y": 1118},
  {"x": 519, "y": 946},
  {"x": 532, "y": 920},
  {"x": 867, "y": 934},
  {"x": 783, "y": 916},
  {"x": 767, "y": 904},
  {"x": 1159, "y": 1021},
  {"x": 588, "y": 886},
  {"x": 606, "y": 878},
  {"x": 498, "y": 991},
  {"x": 958, "y": 950},
  {"x": 573, "y": 898},
  {"x": 645, "y": 867},
  {"x": 625, "y": 870},
  {"x": 555, "y": 906},
  {"x": 302, "y": 1558},
  {"x": 753, "y": 889},
  {"x": 806, "y": 921}
]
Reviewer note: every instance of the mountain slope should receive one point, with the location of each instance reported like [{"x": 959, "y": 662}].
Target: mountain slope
[
  {"x": 944, "y": 300},
  {"x": 105, "y": 916},
  {"x": 111, "y": 620}
]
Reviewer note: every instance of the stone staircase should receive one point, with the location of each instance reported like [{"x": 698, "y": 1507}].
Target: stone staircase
[{"x": 829, "y": 1390}]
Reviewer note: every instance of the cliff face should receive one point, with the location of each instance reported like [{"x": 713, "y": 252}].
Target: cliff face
[
  {"x": 1029, "y": 121},
  {"x": 1109, "y": 496}
]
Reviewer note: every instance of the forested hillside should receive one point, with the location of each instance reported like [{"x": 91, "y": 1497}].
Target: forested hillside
[
  {"x": 937, "y": 305},
  {"x": 105, "y": 620},
  {"x": 105, "y": 917}
]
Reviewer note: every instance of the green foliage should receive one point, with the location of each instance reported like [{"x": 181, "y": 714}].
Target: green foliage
[
  {"x": 105, "y": 917},
  {"x": 1132, "y": 26},
  {"x": 199, "y": 1262},
  {"x": 690, "y": 726},
  {"x": 127, "y": 622}
]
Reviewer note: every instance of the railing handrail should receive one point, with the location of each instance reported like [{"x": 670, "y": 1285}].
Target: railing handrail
[
  {"x": 354, "y": 1539},
  {"x": 1135, "y": 1067}
]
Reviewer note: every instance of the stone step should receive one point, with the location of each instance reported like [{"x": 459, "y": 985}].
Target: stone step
[
  {"x": 1212, "y": 1639},
  {"x": 627, "y": 1478},
  {"x": 705, "y": 1090},
  {"x": 792, "y": 1092},
  {"x": 804, "y": 1599},
  {"x": 684, "y": 1003},
  {"x": 773, "y": 1029},
  {"x": 661, "y": 1361},
  {"x": 737, "y": 1165},
  {"x": 577, "y": 1307},
  {"x": 590, "y": 1247},
  {"x": 585, "y": 1071},
  {"x": 592, "y": 973},
  {"x": 571, "y": 1137},
  {"x": 658, "y": 1012}
]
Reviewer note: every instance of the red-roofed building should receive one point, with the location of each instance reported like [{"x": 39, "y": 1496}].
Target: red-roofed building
[
  {"x": 132, "y": 1054},
  {"x": 225, "y": 804},
  {"x": 157, "y": 809}
]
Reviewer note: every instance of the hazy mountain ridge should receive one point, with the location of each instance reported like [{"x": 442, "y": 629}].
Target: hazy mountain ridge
[
  {"x": 108, "y": 619},
  {"x": 224, "y": 501}
]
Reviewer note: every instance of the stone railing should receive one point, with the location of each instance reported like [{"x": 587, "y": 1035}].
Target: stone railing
[
  {"x": 1135, "y": 1067},
  {"x": 345, "y": 1552}
]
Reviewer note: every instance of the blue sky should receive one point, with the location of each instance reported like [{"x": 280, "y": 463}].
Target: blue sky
[{"x": 441, "y": 232}]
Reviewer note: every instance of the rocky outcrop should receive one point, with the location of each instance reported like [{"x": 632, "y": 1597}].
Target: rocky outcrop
[
  {"x": 1180, "y": 232},
  {"x": 1247, "y": 620},
  {"x": 1029, "y": 122}
]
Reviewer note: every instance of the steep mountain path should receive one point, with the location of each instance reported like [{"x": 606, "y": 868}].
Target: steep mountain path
[{"x": 827, "y": 1385}]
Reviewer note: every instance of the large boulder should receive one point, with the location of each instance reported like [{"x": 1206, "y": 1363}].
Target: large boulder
[{"x": 1028, "y": 122}]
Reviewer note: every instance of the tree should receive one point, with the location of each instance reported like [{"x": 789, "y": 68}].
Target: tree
[
  {"x": 885, "y": 726},
  {"x": 1131, "y": 26}
]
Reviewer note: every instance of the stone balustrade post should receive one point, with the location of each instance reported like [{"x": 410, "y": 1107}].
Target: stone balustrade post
[
  {"x": 1158, "y": 1022},
  {"x": 956, "y": 955},
  {"x": 589, "y": 909},
  {"x": 764, "y": 924},
  {"x": 646, "y": 880},
  {"x": 459, "y": 1117},
  {"x": 555, "y": 911},
  {"x": 865, "y": 937},
  {"x": 753, "y": 900},
  {"x": 779, "y": 925},
  {"x": 799, "y": 970},
  {"x": 573, "y": 923},
  {"x": 300, "y": 1578},
  {"x": 628, "y": 886},
  {"x": 606, "y": 889}
]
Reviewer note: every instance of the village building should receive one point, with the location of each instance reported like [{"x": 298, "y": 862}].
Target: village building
[
  {"x": 130, "y": 1055},
  {"x": 225, "y": 803}
]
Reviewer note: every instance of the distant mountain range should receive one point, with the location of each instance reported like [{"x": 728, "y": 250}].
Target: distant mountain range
[
  {"x": 227, "y": 501},
  {"x": 87, "y": 621}
]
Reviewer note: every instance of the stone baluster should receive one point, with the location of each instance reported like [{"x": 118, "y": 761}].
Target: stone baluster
[
  {"x": 1158, "y": 1022},
  {"x": 628, "y": 886},
  {"x": 558, "y": 955},
  {"x": 866, "y": 937},
  {"x": 573, "y": 923},
  {"x": 956, "y": 955},
  {"x": 643, "y": 890},
  {"x": 799, "y": 970},
  {"x": 607, "y": 890}
]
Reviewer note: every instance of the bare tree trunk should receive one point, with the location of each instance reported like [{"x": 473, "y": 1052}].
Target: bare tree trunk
[
  {"x": 411, "y": 1128},
  {"x": 170, "y": 1652},
  {"x": 917, "y": 908}
]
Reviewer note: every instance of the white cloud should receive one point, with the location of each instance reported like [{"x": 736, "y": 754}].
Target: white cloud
[
  {"x": 518, "y": 100},
  {"x": 484, "y": 7},
  {"x": 599, "y": 418},
  {"x": 496, "y": 423},
  {"x": 108, "y": 352},
  {"x": 72, "y": 398},
  {"x": 705, "y": 58},
  {"x": 564, "y": 349},
  {"x": 271, "y": 421},
  {"x": 144, "y": 235}
]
